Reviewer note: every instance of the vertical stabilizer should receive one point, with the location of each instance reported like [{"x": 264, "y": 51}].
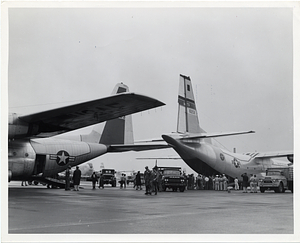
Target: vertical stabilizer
[
  {"x": 187, "y": 112},
  {"x": 118, "y": 131}
]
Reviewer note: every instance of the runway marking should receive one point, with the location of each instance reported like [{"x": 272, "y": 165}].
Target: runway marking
[{"x": 101, "y": 221}]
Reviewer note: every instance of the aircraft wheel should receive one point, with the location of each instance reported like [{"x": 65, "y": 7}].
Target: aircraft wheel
[
  {"x": 181, "y": 189},
  {"x": 30, "y": 183},
  {"x": 262, "y": 189},
  {"x": 36, "y": 183},
  {"x": 281, "y": 188}
]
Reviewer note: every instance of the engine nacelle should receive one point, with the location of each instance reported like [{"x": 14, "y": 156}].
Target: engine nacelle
[
  {"x": 18, "y": 128},
  {"x": 290, "y": 158},
  {"x": 9, "y": 175}
]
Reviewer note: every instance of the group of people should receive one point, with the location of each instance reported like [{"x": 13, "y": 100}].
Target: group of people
[
  {"x": 76, "y": 178},
  {"x": 253, "y": 181},
  {"x": 152, "y": 180},
  {"x": 220, "y": 183},
  {"x": 202, "y": 182}
]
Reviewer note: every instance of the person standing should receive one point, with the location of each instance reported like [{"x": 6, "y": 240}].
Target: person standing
[
  {"x": 154, "y": 176},
  {"x": 76, "y": 178},
  {"x": 138, "y": 181},
  {"x": 159, "y": 182},
  {"x": 221, "y": 183},
  {"x": 217, "y": 183},
  {"x": 225, "y": 182},
  {"x": 94, "y": 179},
  {"x": 255, "y": 183},
  {"x": 147, "y": 176},
  {"x": 245, "y": 182},
  {"x": 251, "y": 180},
  {"x": 213, "y": 182},
  {"x": 101, "y": 183},
  {"x": 67, "y": 178},
  {"x": 125, "y": 181},
  {"x": 236, "y": 184},
  {"x": 206, "y": 184},
  {"x": 122, "y": 181}
]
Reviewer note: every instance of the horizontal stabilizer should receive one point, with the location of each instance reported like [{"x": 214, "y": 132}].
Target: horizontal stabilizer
[
  {"x": 150, "y": 140},
  {"x": 161, "y": 158},
  {"x": 212, "y": 135},
  {"x": 130, "y": 147},
  {"x": 274, "y": 154}
]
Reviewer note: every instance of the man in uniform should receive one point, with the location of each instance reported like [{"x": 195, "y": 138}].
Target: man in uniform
[
  {"x": 245, "y": 182},
  {"x": 138, "y": 182},
  {"x": 67, "y": 178},
  {"x": 155, "y": 178},
  {"x": 76, "y": 178},
  {"x": 147, "y": 176},
  {"x": 255, "y": 184},
  {"x": 225, "y": 182},
  {"x": 217, "y": 183},
  {"x": 251, "y": 180},
  {"x": 94, "y": 179}
]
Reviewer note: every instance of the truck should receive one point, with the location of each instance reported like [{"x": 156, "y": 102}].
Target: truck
[
  {"x": 172, "y": 178},
  {"x": 278, "y": 179},
  {"x": 108, "y": 177}
]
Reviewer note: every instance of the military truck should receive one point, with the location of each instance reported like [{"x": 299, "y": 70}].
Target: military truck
[
  {"x": 108, "y": 177},
  {"x": 277, "y": 179},
  {"x": 172, "y": 178}
]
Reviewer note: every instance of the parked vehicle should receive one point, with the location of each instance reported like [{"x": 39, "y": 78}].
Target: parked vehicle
[
  {"x": 172, "y": 178},
  {"x": 277, "y": 179},
  {"x": 108, "y": 177}
]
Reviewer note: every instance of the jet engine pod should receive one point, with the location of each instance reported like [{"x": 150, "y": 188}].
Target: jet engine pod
[
  {"x": 9, "y": 175},
  {"x": 290, "y": 158}
]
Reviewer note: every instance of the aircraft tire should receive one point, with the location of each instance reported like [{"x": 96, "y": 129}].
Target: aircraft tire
[
  {"x": 181, "y": 189},
  {"x": 262, "y": 189},
  {"x": 35, "y": 183},
  {"x": 30, "y": 183},
  {"x": 281, "y": 188}
]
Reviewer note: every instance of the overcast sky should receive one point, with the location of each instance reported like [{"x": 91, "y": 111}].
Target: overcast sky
[{"x": 240, "y": 61}]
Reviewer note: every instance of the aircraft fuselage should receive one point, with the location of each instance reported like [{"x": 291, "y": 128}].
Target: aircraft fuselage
[
  {"x": 207, "y": 159},
  {"x": 48, "y": 156}
]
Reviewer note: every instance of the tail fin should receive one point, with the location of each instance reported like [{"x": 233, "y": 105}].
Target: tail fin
[
  {"x": 187, "y": 111},
  {"x": 118, "y": 131}
]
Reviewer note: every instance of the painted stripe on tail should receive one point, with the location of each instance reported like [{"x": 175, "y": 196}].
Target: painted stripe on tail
[{"x": 187, "y": 111}]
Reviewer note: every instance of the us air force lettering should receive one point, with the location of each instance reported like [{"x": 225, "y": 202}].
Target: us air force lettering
[
  {"x": 34, "y": 152},
  {"x": 203, "y": 154}
]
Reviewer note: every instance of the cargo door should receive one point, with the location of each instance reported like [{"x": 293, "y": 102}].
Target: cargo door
[{"x": 40, "y": 162}]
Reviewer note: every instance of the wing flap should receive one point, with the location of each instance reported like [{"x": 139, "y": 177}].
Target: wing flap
[
  {"x": 134, "y": 147},
  {"x": 89, "y": 113}
]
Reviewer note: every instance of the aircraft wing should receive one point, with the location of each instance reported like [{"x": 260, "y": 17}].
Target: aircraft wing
[
  {"x": 89, "y": 113},
  {"x": 212, "y": 135},
  {"x": 135, "y": 147}
]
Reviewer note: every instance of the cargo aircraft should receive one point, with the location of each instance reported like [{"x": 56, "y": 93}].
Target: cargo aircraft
[
  {"x": 35, "y": 150},
  {"x": 202, "y": 153}
]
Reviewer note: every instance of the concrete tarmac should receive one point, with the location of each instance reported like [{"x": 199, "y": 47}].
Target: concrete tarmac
[{"x": 38, "y": 210}]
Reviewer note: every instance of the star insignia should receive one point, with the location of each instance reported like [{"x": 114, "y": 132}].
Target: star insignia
[{"x": 62, "y": 158}]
